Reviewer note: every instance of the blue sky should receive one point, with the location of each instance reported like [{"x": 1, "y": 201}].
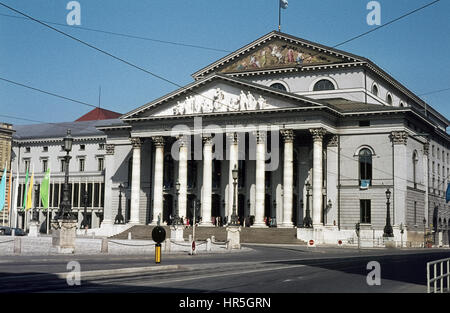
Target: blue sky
[{"x": 413, "y": 50}]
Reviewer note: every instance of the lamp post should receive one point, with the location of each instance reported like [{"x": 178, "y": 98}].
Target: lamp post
[
  {"x": 65, "y": 207},
  {"x": 177, "y": 218},
  {"x": 35, "y": 216},
  {"x": 235, "y": 173},
  {"x": 388, "y": 232},
  {"x": 307, "y": 221},
  {"x": 119, "y": 217},
  {"x": 424, "y": 232}
]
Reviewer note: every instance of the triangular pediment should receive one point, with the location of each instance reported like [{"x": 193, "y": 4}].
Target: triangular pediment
[
  {"x": 219, "y": 94},
  {"x": 277, "y": 51}
]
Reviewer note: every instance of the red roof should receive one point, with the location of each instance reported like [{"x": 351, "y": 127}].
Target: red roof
[{"x": 98, "y": 114}]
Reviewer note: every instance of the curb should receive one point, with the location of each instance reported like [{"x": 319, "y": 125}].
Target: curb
[{"x": 123, "y": 271}]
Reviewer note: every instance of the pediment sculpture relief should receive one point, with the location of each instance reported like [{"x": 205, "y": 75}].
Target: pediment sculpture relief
[{"x": 220, "y": 102}]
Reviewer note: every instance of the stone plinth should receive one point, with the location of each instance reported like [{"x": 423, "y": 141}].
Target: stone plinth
[
  {"x": 63, "y": 235},
  {"x": 234, "y": 237},
  {"x": 176, "y": 233},
  {"x": 389, "y": 242},
  {"x": 34, "y": 229}
]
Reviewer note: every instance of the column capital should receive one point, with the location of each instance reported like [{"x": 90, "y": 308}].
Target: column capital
[
  {"x": 288, "y": 135},
  {"x": 183, "y": 140},
  {"x": 110, "y": 149},
  {"x": 399, "y": 137},
  {"x": 233, "y": 138},
  {"x": 317, "y": 133},
  {"x": 158, "y": 141},
  {"x": 207, "y": 139},
  {"x": 333, "y": 142},
  {"x": 136, "y": 142},
  {"x": 260, "y": 135},
  {"x": 426, "y": 148}
]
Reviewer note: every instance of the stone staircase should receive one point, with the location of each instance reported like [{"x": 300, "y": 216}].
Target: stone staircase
[{"x": 248, "y": 235}]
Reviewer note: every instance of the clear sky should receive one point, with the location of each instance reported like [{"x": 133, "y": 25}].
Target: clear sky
[{"x": 413, "y": 50}]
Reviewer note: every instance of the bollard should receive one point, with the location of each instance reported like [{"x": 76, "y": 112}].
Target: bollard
[
  {"x": 167, "y": 245},
  {"x": 13, "y": 233},
  {"x": 213, "y": 238},
  {"x": 17, "y": 245},
  {"x": 129, "y": 235},
  {"x": 208, "y": 244},
  {"x": 104, "y": 248},
  {"x": 157, "y": 253},
  {"x": 190, "y": 238}
]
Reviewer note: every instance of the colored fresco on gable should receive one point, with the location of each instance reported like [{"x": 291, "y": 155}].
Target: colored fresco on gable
[{"x": 280, "y": 54}]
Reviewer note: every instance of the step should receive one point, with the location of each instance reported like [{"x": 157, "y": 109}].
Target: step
[{"x": 248, "y": 235}]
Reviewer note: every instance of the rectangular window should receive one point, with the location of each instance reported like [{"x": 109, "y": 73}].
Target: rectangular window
[
  {"x": 101, "y": 146},
  {"x": 44, "y": 165},
  {"x": 365, "y": 211},
  {"x": 82, "y": 147},
  {"x": 62, "y": 166},
  {"x": 45, "y": 149},
  {"x": 415, "y": 212},
  {"x": 27, "y": 149},
  {"x": 101, "y": 164},
  {"x": 27, "y": 164},
  {"x": 82, "y": 163}
]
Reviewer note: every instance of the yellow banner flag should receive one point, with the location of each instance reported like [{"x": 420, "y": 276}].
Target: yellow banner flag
[{"x": 29, "y": 203}]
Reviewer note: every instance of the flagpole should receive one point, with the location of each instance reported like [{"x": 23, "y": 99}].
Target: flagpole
[
  {"x": 279, "y": 15},
  {"x": 48, "y": 198}
]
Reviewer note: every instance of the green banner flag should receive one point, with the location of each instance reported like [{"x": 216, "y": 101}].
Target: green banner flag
[
  {"x": 26, "y": 190},
  {"x": 45, "y": 187}
]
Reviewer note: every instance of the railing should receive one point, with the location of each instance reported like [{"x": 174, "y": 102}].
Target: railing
[{"x": 438, "y": 280}]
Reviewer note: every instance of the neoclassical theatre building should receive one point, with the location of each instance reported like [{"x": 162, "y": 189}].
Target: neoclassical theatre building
[{"x": 308, "y": 128}]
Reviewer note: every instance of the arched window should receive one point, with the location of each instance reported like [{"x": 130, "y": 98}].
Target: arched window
[
  {"x": 365, "y": 166},
  {"x": 415, "y": 159},
  {"x": 389, "y": 99},
  {"x": 375, "y": 90},
  {"x": 323, "y": 84},
  {"x": 278, "y": 86}
]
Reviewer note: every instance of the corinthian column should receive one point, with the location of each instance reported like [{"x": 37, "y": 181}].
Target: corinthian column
[
  {"x": 317, "y": 135},
  {"x": 182, "y": 176},
  {"x": 288, "y": 176},
  {"x": 135, "y": 180},
  {"x": 158, "y": 180},
  {"x": 234, "y": 155},
  {"x": 207, "y": 180},
  {"x": 260, "y": 178}
]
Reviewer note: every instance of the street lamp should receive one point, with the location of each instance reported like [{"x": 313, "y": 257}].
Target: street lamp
[
  {"x": 35, "y": 216},
  {"x": 234, "y": 173},
  {"x": 388, "y": 232},
  {"x": 307, "y": 221},
  {"x": 424, "y": 232},
  {"x": 177, "y": 218},
  {"x": 65, "y": 207},
  {"x": 119, "y": 217},
  {"x": 84, "y": 223}
]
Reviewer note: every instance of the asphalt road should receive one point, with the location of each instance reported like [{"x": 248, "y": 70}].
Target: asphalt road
[{"x": 264, "y": 269}]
